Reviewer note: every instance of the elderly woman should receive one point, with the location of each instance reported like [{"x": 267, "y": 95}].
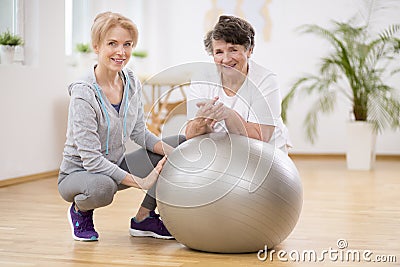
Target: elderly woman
[
  {"x": 105, "y": 111},
  {"x": 237, "y": 96}
]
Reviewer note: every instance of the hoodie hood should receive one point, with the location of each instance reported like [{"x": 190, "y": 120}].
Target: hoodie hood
[{"x": 89, "y": 80}]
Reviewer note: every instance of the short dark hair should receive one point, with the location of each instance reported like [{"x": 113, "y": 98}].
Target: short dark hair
[{"x": 232, "y": 30}]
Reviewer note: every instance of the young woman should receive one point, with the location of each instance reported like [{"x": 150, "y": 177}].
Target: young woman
[{"x": 105, "y": 111}]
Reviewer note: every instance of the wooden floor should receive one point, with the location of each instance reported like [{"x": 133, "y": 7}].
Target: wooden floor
[{"x": 361, "y": 207}]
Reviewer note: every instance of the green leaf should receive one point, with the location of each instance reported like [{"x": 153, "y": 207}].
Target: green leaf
[
  {"x": 83, "y": 47},
  {"x": 7, "y": 38},
  {"x": 139, "y": 53},
  {"x": 357, "y": 67}
]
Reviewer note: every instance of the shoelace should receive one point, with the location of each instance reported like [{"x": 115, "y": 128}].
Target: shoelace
[
  {"x": 87, "y": 222},
  {"x": 155, "y": 215},
  {"x": 160, "y": 224}
]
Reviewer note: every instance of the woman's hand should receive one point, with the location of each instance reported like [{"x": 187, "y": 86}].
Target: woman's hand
[
  {"x": 211, "y": 112},
  {"x": 147, "y": 182},
  {"x": 207, "y": 116}
]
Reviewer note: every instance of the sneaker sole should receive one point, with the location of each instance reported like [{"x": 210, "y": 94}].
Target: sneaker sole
[
  {"x": 72, "y": 229},
  {"x": 139, "y": 233}
]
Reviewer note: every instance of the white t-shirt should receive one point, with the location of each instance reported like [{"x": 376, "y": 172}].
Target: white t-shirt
[{"x": 257, "y": 101}]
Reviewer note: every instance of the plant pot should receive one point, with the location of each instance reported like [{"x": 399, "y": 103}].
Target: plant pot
[
  {"x": 85, "y": 60},
  {"x": 361, "y": 142},
  {"x": 7, "y": 54}
]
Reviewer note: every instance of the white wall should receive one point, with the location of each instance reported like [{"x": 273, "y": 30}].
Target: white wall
[
  {"x": 174, "y": 33},
  {"x": 35, "y": 99}
]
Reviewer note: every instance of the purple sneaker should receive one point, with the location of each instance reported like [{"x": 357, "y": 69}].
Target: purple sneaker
[
  {"x": 82, "y": 224},
  {"x": 151, "y": 226}
]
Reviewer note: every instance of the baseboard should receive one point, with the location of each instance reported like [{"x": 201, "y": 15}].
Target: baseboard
[
  {"x": 43, "y": 175},
  {"x": 338, "y": 156},
  {"x": 28, "y": 178},
  {"x": 316, "y": 156}
]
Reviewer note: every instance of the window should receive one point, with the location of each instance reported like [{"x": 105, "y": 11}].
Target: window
[
  {"x": 12, "y": 16},
  {"x": 7, "y": 15},
  {"x": 12, "y": 19},
  {"x": 79, "y": 16}
]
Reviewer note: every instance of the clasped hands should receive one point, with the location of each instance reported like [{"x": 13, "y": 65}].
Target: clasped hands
[{"x": 211, "y": 112}]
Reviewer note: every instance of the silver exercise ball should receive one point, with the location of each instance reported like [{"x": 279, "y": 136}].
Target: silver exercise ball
[{"x": 229, "y": 194}]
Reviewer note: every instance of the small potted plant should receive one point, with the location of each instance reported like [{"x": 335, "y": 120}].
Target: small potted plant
[
  {"x": 84, "y": 54},
  {"x": 8, "y": 42},
  {"x": 139, "y": 54},
  {"x": 138, "y": 62},
  {"x": 83, "y": 48}
]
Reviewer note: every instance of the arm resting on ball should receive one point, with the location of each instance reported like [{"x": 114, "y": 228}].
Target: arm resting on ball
[
  {"x": 162, "y": 148},
  {"x": 237, "y": 125}
]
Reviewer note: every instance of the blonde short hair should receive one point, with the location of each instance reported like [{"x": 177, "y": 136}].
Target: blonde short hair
[{"x": 107, "y": 20}]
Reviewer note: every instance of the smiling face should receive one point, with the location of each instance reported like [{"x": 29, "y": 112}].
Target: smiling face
[
  {"x": 230, "y": 58},
  {"x": 115, "y": 50}
]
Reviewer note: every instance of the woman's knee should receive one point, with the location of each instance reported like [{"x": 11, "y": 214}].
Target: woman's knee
[
  {"x": 102, "y": 193},
  {"x": 88, "y": 190}
]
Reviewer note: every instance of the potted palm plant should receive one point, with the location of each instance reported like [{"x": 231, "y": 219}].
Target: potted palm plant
[
  {"x": 8, "y": 42},
  {"x": 358, "y": 68}
]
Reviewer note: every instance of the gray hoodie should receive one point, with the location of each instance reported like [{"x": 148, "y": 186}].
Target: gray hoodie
[{"x": 96, "y": 133}]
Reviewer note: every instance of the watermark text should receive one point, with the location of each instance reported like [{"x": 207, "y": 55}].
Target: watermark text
[{"x": 341, "y": 253}]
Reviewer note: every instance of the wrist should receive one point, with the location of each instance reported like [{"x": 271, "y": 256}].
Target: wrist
[{"x": 135, "y": 181}]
